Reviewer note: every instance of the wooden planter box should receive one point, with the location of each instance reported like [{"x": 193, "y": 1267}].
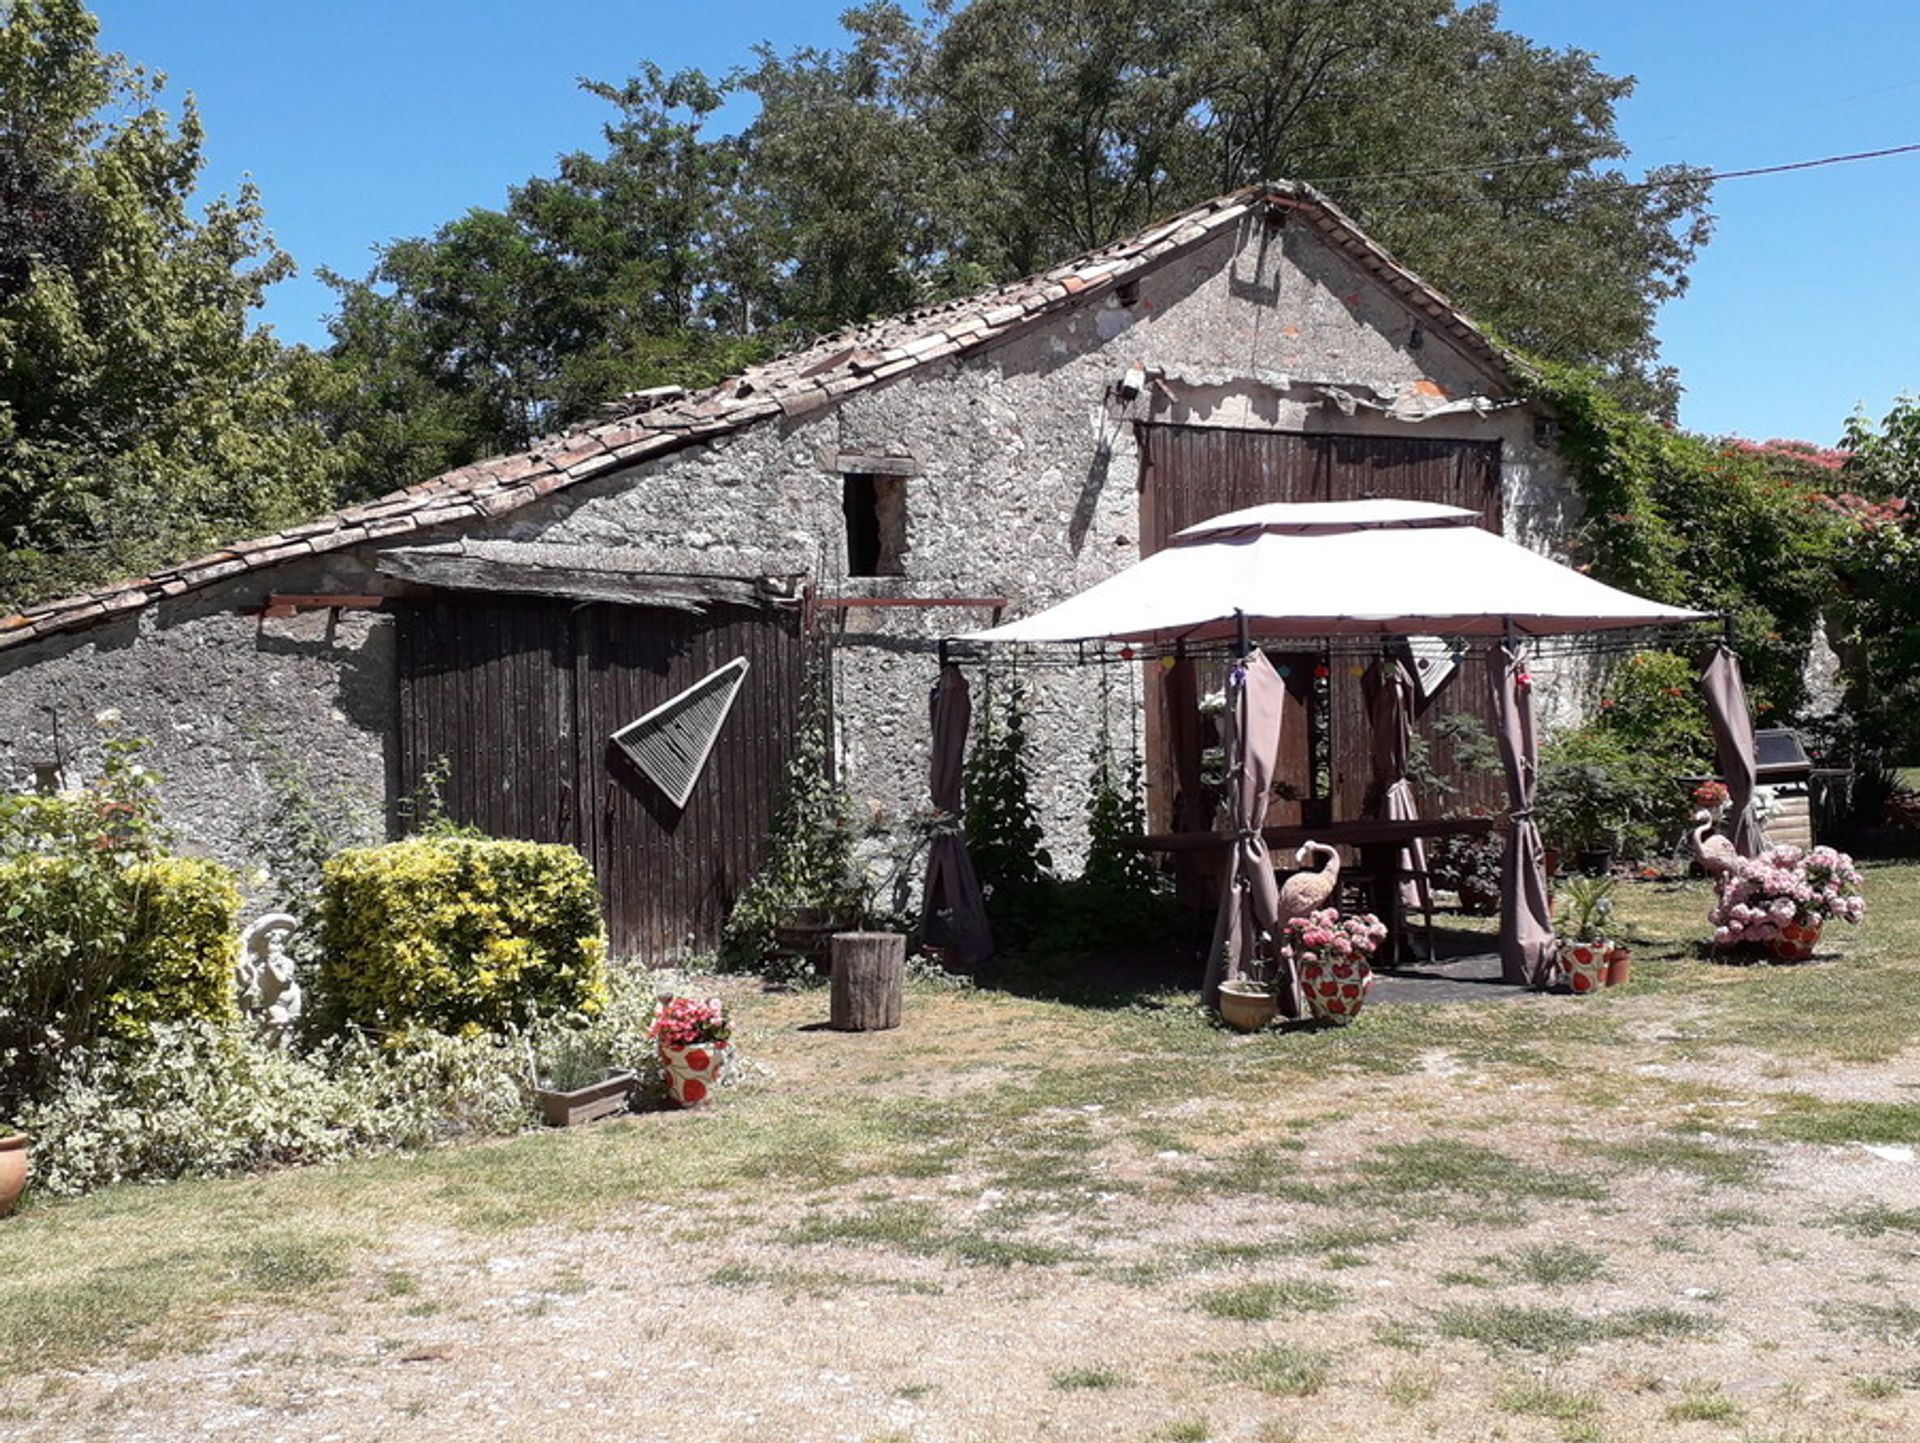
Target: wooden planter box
[{"x": 585, "y": 1104}]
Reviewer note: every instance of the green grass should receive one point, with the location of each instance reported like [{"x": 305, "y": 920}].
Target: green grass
[
  {"x": 1089, "y": 1379},
  {"x": 1896, "y": 1322},
  {"x": 1537, "y": 1399},
  {"x": 1505, "y": 1327},
  {"x": 1876, "y": 1220},
  {"x": 1186, "y": 1430},
  {"x": 1420, "y": 1177},
  {"x": 1712, "y": 1163},
  {"x": 1257, "y": 1302},
  {"x": 1705, "y": 1404},
  {"x": 1552, "y": 1265},
  {"x": 1800, "y": 1118},
  {"x": 1278, "y": 1368}
]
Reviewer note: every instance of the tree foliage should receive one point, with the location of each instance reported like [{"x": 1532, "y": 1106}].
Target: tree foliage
[
  {"x": 141, "y": 418},
  {"x": 928, "y": 158}
]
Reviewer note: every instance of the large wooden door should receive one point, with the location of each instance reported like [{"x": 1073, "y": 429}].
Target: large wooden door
[
  {"x": 514, "y": 703},
  {"x": 1190, "y": 473}
]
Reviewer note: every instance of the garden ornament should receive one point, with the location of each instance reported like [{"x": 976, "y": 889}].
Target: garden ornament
[{"x": 264, "y": 972}]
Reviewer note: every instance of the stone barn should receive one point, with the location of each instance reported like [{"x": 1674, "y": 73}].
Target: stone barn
[{"x": 603, "y": 640}]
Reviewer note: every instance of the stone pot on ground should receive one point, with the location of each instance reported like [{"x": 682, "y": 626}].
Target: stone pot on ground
[
  {"x": 1247, "y": 1006},
  {"x": 13, "y": 1169}
]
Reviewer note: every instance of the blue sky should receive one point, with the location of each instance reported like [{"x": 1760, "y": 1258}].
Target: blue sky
[{"x": 363, "y": 120}]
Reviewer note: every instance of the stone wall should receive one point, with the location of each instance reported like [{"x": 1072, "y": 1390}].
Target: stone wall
[{"x": 1023, "y": 484}]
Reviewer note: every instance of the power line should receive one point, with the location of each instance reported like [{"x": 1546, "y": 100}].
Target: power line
[{"x": 1692, "y": 178}]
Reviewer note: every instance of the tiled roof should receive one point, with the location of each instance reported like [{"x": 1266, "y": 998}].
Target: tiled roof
[{"x": 652, "y": 423}]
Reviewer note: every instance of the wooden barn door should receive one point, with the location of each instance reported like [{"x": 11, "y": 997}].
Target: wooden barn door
[
  {"x": 514, "y": 702},
  {"x": 1190, "y": 473}
]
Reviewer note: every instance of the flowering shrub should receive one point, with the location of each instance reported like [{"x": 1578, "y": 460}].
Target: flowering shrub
[
  {"x": 1326, "y": 935},
  {"x": 1711, "y": 795},
  {"x": 1783, "y": 887},
  {"x": 103, "y": 932},
  {"x": 687, "y": 1022}
]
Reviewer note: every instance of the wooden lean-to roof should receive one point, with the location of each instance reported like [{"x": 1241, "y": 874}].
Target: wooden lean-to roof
[{"x": 653, "y": 423}]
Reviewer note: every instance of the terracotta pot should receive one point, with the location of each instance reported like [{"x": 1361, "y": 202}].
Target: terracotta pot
[
  {"x": 1585, "y": 964},
  {"x": 1336, "y": 987},
  {"x": 1619, "y": 967},
  {"x": 692, "y": 1071},
  {"x": 13, "y": 1170},
  {"x": 1247, "y": 1006},
  {"x": 1796, "y": 941}
]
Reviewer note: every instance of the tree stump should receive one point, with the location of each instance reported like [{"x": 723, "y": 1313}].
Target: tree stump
[{"x": 869, "y": 973}]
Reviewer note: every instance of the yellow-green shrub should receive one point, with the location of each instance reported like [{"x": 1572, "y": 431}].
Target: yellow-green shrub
[{"x": 456, "y": 932}]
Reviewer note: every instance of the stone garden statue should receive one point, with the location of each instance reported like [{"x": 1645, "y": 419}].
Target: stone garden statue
[{"x": 264, "y": 973}]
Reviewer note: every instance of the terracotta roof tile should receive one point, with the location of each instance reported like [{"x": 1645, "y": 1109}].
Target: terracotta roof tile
[{"x": 664, "y": 419}]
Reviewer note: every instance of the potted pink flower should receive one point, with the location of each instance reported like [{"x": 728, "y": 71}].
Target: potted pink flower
[
  {"x": 1329, "y": 953},
  {"x": 1778, "y": 901},
  {"x": 692, "y": 1036}
]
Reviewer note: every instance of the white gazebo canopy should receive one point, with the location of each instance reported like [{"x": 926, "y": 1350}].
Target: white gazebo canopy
[{"x": 1338, "y": 568}]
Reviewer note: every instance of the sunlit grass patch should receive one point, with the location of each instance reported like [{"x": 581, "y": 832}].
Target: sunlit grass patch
[
  {"x": 1874, "y": 1220},
  {"x": 1553, "y": 1331},
  {"x": 1095, "y": 1378},
  {"x": 1704, "y": 1403},
  {"x": 1257, "y": 1302},
  {"x": 1278, "y": 1368},
  {"x": 1713, "y": 1163},
  {"x": 1538, "y": 1398},
  {"x": 1801, "y": 1118},
  {"x": 1551, "y": 1265}
]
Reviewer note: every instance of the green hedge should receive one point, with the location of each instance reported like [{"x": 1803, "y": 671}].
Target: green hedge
[
  {"x": 94, "y": 946},
  {"x": 458, "y": 934}
]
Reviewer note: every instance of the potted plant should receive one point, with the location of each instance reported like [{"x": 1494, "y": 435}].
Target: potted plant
[
  {"x": 1330, "y": 954},
  {"x": 1587, "y": 800},
  {"x": 575, "y": 1081},
  {"x": 1469, "y": 866},
  {"x": 1248, "y": 1004},
  {"x": 1780, "y": 900},
  {"x": 1588, "y": 957},
  {"x": 13, "y": 1167},
  {"x": 693, "y": 1036}
]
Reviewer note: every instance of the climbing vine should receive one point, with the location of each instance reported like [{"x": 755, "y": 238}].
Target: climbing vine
[
  {"x": 1003, "y": 825},
  {"x": 1711, "y": 524},
  {"x": 1116, "y": 810}
]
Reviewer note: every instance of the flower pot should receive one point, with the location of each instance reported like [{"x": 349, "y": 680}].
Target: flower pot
[
  {"x": 13, "y": 1170},
  {"x": 1796, "y": 941},
  {"x": 1585, "y": 965},
  {"x": 1594, "y": 861},
  {"x": 1247, "y": 1006},
  {"x": 1336, "y": 987},
  {"x": 1478, "y": 901},
  {"x": 692, "y": 1071},
  {"x": 1619, "y": 967},
  {"x": 585, "y": 1104}
]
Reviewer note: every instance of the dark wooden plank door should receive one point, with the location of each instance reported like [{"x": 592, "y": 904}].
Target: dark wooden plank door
[
  {"x": 1189, "y": 473},
  {"x": 518, "y": 699},
  {"x": 672, "y": 874}
]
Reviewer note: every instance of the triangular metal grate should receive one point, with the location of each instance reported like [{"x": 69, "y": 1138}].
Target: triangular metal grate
[{"x": 672, "y": 742}]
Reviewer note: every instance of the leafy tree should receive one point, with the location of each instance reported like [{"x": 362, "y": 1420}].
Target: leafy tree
[
  {"x": 141, "y": 419},
  {"x": 623, "y": 270},
  {"x": 928, "y": 158}
]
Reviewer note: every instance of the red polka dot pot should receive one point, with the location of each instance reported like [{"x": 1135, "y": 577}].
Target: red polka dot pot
[
  {"x": 1796, "y": 941},
  {"x": 1336, "y": 987},
  {"x": 692, "y": 1072},
  {"x": 1585, "y": 965}
]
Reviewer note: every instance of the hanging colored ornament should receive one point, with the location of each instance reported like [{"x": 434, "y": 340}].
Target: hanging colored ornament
[
  {"x": 1126, "y": 653},
  {"x": 1320, "y": 672},
  {"x": 1166, "y": 663}
]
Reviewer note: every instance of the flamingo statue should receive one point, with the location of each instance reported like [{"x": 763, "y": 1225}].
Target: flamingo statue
[
  {"x": 1715, "y": 854},
  {"x": 1306, "y": 892}
]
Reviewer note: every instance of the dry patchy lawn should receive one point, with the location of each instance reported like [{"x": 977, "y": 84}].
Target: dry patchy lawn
[{"x": 1685, "y": 1210}]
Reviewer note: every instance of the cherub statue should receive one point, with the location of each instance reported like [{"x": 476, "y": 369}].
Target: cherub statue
[{"x": 264, "y": 972}]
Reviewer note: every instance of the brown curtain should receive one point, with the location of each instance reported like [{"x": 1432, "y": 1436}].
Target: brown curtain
[
  {"x": 1526, "y": 916},
  {"x": 1733, "y": 744},
  {"x": 1389, "y": 690},
  {"x": 953, "y": 911},
  {"x": 1250, "y": 900}
]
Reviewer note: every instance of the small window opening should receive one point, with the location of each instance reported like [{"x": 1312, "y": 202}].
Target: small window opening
[{"x": 876, "y": 512}]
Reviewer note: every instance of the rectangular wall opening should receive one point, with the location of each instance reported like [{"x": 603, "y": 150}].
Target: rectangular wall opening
[{"x": 876, "y": 512}]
